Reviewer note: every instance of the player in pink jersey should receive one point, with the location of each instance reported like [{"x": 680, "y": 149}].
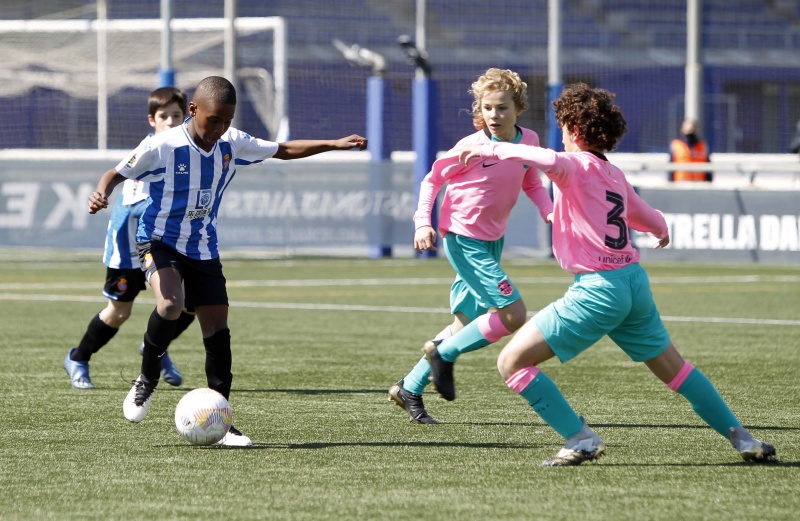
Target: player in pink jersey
[
  {"x": 594, "y": 206},
  {"x": 473, "y": 220}
]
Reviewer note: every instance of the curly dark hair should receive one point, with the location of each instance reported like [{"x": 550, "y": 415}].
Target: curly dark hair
[{"x": 600, "y": 122}]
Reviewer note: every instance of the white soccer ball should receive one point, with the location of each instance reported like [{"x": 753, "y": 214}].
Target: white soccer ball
[{"x": 203, "y": 416}]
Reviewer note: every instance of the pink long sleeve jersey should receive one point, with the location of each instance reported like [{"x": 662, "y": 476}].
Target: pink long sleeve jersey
[
  {"x": 594, "y": 205},
  {"x": 479, "y": 197}
]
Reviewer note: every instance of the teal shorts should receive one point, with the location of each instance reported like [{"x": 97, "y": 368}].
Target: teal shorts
[
  {"x": 480, "y": 281},
  {"x": 617, "y": 303}
]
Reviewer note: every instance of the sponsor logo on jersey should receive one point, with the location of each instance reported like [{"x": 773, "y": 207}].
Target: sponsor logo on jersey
[
  {"x": 198, "y": 214},
  {"x": 181, "y": 169},
  {"x": 617, "y": 260},
  {"x": 131, "y": 161},
  {"x": 505, "y": 288},
  {"x": 202, "y": 206},
  {"x": 487, "y": 165}
]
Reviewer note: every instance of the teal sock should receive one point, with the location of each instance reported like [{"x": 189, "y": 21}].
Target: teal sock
[
  {"x": 416, "y": 381},
  {"x": 707, "y": 402},
  {"x": 468, "y": 339},
  {"x": 545, "y": 398}
]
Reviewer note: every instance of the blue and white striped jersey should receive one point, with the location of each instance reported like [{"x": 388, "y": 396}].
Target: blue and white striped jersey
[
  {"x": 187, "y": 184},
  {"x": 120, "y": 251}
]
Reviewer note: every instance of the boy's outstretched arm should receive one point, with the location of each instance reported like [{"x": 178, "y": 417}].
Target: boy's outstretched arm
[
  {"x": 298, "y": 148},
  {"x": 99, "y": 198}
]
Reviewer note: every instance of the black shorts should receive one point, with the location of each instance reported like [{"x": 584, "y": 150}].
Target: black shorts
[
  {"x": 123, "y": 285},
  {"x": 203, "y": 281}
]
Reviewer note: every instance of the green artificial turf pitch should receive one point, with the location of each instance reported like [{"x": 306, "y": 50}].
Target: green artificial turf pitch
[{"x": 316, "y": 344}]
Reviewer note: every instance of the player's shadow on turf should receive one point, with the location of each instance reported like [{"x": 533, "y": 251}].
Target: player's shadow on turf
[
  {"x": 315, "y": 391},
  {"x": 335, "y": 444},
  {"x": 680, "y": 426},
  {"x": 627, "y": 425},
  {"x": 387, "y": 444},
  {"x": 768, "y": 464},
  {"x": 606, "y": 462}
]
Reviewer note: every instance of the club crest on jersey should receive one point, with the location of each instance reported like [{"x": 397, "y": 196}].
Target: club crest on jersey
[
  {"x": 122, "y": 285},
  {"x": 505, "y": 288},
  {"x": 181, "y": 169},
  {"x": 203, "y": 199},
  {"x": 226, "y": 161}
]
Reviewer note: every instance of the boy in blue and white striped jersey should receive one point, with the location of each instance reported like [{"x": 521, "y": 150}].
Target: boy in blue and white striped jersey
[
  {"x": 189, "y": 168},
  {"x": 166, "y": 108}
]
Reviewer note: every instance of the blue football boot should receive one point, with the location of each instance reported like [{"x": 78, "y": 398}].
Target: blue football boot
[{"x": 78, "y": 372}]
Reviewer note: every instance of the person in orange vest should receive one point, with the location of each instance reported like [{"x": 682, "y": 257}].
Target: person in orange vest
[{"x": 689, "y": 149}]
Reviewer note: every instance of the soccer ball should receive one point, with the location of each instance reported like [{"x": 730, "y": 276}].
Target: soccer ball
[{"x": 203, "y": 416}]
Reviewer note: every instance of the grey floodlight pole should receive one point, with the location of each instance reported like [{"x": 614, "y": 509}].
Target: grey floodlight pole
[
  {"x": 362, "y": 57},
  {"x": 166, "y": 74},
  {"x": 555, "y": 81},
  {"x": 102, "y": 75},
  {"x": 230, "y": 51},
  {"x": 693, "y": 108}
]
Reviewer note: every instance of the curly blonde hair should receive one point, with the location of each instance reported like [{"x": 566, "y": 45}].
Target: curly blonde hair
[{"x": 497, "y": 79}]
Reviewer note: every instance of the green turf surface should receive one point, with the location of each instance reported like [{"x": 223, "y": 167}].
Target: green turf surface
[{"x": 317, "y": 342}]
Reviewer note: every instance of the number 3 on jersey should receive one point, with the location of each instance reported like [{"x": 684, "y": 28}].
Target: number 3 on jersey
[{"x": 615, "y": 219}]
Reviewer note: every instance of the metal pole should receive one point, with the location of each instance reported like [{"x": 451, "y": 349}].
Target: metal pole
[
  {"x": 230, "y": 50},
  {"x": 279, "y": 79},
  {"x": 380, "y": 226},
  {"x": 166, "y": 75},
  {"x": 102, "y": 73},
  {"x": 555, "y": 82},
  {"x": 424, "y": 98},
  {"x": 693, "y": 108},
  {"x": 419, "y": 34}
]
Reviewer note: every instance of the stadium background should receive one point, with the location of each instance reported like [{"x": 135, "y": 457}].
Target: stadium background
[
  {"x": 635, "y": 48},
  {"x": 342, "y": 204}
]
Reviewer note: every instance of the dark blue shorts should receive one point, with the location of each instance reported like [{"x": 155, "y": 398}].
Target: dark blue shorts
[
  {"x": 123, "y": 285},
  {"x": 203, "y": 281}
]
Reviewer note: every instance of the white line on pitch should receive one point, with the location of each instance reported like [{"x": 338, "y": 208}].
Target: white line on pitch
[
  {"x": 375, "y": 309},
  {"x": 293, "y": 283}
]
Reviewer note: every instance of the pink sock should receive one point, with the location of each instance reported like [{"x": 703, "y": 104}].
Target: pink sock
[
  {"x": 679, "y": 378},
  {"x": 518, "y": 381},
  {"x": 491, "y": 327}
]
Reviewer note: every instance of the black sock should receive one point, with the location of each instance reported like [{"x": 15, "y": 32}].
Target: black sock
[
  {"x": 184, "y": 321},
  {"x": 97, "y": 335},
  {"x": 156, "y": 341},
  {"x": 219, "y": 361}
]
